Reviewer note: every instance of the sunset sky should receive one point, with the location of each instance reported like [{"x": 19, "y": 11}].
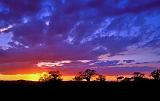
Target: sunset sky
[{"x": 113, "y": 37}]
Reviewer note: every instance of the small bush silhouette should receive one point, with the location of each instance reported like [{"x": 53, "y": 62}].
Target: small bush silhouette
[
  {"x": 120, "y": 78},
  {"x": 127, "y": 79},
  {"x": 101, "y": 78},
  {"x": 78, "y": 77},
  {"x": 45, "y": 77}
]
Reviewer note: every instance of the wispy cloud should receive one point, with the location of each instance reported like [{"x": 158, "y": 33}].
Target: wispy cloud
[
  {"x": 53, "y": 64},
  {"x": 6, "y": 28},
  {"x": 84, "y": 61}
]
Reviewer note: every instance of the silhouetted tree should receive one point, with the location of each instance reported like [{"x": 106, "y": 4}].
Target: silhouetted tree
[
  {"x": 101, "y": 78},
  {"x": 156, "y": 74},
  {"x": 78, "y": 77},
  {"x": 51, "y": 76},
  {"x": 45, "y": 77},
  {"x": 55, "y": 75},
  {"x": 120, "y": 78},
  {"x": 88, "y": 73}
]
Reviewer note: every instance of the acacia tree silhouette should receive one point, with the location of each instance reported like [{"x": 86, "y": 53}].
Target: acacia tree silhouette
[
  {"x": 55, "y": 75},
  {"x": 156, "y": 74},
  {"x": 51, "y": 76},
  {"x": 87, "y": 74}
]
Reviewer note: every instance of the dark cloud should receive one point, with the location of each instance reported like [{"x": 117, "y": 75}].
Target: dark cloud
[
  {"x": 125, "y": 70},
  {"x": 110, "y": 7},
  {"x": 114, "y": 44},
  {"x": 19, "y": 8},
  {"x": 107, "y": 63},
  {"x": 128, "y": 61},
  {"x": 30, "y": 34}
]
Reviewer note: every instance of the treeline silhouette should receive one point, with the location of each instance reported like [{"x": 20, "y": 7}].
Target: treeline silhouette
[
  {"x": 82, "y": 87},
  {"x": 89, "y": 73}
]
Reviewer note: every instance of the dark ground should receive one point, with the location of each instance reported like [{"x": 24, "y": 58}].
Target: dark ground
[{"x": 80, "y": 90}]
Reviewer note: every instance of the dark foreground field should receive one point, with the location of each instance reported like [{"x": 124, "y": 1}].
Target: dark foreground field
[{"x": 80, "y": 90}]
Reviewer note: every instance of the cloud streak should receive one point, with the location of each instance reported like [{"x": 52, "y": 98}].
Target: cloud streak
[{"x": 53, "y": 64}]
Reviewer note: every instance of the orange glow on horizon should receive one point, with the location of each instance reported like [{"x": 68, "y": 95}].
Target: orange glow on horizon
[
  {"x": 30, "y": 77},
  {"x": 36, "y": 76}
]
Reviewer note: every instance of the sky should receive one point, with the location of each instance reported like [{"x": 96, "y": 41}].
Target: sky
[{"x": 113, "y": 37}]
